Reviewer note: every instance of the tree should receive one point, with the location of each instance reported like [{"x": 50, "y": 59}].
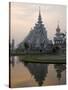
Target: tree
[
  {"x": 55, "y": 49},
  {"x": 26, "y": 45}
]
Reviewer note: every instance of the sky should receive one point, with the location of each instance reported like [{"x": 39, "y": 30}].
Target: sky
[{"x": 25, "y": 15}]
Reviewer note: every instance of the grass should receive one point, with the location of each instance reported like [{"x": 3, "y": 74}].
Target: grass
[{"x": 42, "y": 58}]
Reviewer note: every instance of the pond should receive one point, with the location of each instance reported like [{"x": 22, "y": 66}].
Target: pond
[{"x": 24, "y": 74}]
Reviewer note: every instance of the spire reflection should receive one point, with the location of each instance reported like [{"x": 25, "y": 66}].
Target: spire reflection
[
  {"x": 59, "y": 69},
  {"x": 39, "y": 71}
]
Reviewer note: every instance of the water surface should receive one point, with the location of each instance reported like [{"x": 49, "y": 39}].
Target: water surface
[{"x": 35, "y": 74}]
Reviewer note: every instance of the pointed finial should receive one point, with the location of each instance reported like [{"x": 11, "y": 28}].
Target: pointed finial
[
  {"x": 39, "y": 11},
  {"x": 58, "y": 28},
  {"x": 58, "y": 23},
  {"x": 39, "y": 8},
  {"x": 39, "y": 17}
]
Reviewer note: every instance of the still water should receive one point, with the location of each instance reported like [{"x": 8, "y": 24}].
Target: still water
[{"x": 35, "y": 74}]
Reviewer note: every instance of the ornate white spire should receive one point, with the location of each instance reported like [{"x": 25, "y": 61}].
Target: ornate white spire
[
  {"x": 39, "y": 12},
  {"x": 39, "y": 17},
  {"x": 58, "y": 28}
]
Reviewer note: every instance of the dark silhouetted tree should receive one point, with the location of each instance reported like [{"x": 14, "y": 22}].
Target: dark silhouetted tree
[{"x": 26, "y": 45}]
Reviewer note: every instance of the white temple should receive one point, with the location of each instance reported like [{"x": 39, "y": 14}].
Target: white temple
[
  {"x": 59, "y": 38},
  {"x": 37, "y": 38}
]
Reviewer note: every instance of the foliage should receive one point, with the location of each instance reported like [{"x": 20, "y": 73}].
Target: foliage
[{"x": 26, "y": 45}]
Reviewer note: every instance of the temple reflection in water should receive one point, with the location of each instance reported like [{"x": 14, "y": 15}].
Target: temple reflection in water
[
  {"x": 40, "y": 72},
  {"x": 59, "y": 69}
]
